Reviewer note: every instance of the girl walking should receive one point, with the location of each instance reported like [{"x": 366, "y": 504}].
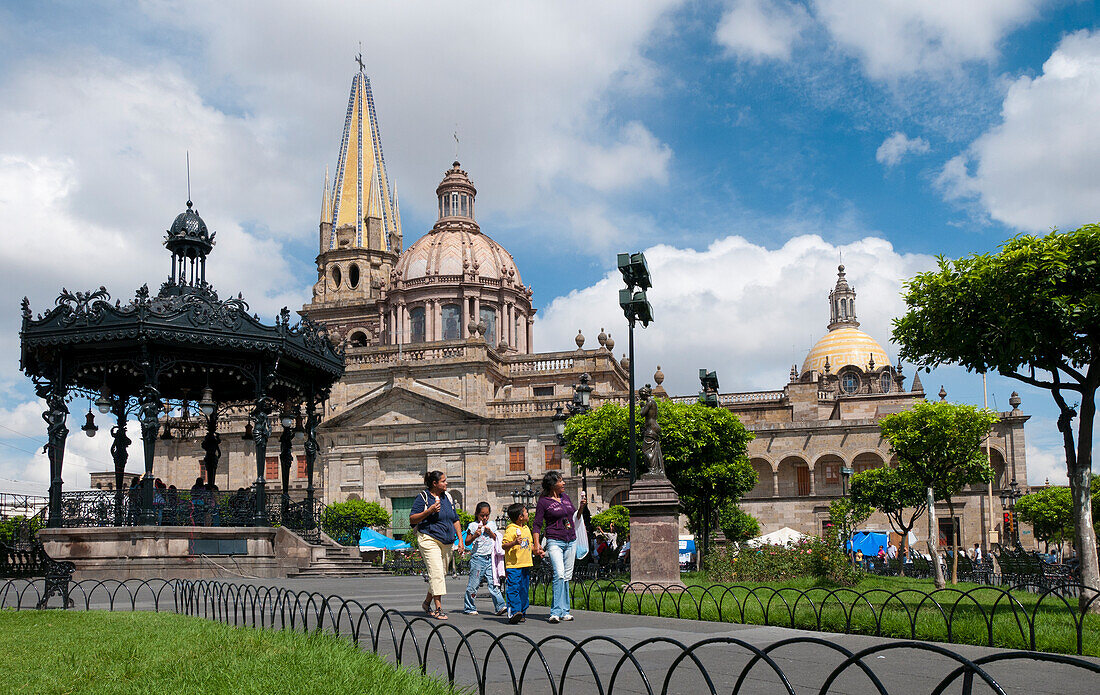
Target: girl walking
[{"x": 482, "y": 534}]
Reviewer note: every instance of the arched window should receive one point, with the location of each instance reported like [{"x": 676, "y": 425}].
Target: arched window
[
  {"x": 416, "y": 325},
  {"x": 454, "y": 204},
  {"x": 358, "y": 339},
  {"x": 353, "y": 276},
  {"x": 452, "y": 322},
  {"x": 849, "y": 382},
  {"x": 336, "y": 277},
  {"x": 886, "y": 381},
  {"x": 489, "y": 318}
]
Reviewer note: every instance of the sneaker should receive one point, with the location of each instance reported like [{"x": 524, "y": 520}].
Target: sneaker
[
  {"x": 517, "y": 618},
  {"x": 553, "y": 619},
  {"x": 472, "y": 613},
  {"x": 502, "y": 611},
  {"x": 567, "y": 617}
]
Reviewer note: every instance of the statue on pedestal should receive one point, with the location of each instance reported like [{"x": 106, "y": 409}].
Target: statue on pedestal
[{"x": 651, "y": 434}]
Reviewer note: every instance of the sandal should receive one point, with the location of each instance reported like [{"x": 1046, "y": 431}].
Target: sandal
[
  {"x": 439, "y": 615},
  {"x": 427, "y": 606}
]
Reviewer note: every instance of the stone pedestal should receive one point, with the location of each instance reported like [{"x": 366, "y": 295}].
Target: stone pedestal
[{"x": 654, "y": 532}]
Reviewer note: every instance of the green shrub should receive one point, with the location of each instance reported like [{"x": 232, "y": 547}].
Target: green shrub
[
  {"x": 615, "y": 514},
  {"x": 737, "y": 524},
  {"x": 344, "y": 521},
  {"x": 18, "y": 529},
  {"x": 810, "y": 557}
]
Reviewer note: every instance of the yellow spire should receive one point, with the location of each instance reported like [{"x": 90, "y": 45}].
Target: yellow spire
[
  {"x": 326, "y": 199},
  {"x": 361, "y": 187}
]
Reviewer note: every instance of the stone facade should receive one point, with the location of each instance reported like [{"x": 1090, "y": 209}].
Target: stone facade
[{"x": 441, "y": 374}]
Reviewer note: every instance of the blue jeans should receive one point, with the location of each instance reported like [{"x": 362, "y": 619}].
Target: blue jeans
[
  {"x": 481, "y": 566},
  {"x": 562, "y": 554},
  {"x": 519, "y": 589}
]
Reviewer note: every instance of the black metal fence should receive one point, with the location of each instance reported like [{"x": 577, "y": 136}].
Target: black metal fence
[
  {"x": 514, "y": 662},
  {"x": 1053, "y": 619},
  {"x": 100, "y": 508}
]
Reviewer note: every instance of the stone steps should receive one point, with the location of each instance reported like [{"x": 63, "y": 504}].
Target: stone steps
[{"x": 338, "y": 561}]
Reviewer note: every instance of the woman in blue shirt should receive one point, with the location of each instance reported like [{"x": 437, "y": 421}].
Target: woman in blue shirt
[{"x": 436, "y": 521}]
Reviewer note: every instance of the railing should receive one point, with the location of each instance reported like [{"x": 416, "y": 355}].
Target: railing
[
  {"x": 989, "y": 616},
  {"x": 521, "y": 365},
  {"x": 737, "y": 398},
  {"x": 511, "y": 661},
  {"x": 101, "y": 508},
  {"x": 21, "y": 516},
  {"x": 418, "y": 352},
  {"x": 507, "y": 408}
]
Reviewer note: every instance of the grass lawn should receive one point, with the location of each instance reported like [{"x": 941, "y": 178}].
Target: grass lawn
[
  {"x": 774, "y": 604},
  {"x": 99, "y": 653}
]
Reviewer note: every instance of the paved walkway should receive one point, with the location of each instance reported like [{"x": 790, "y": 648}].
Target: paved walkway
[{"x": 805, "y": 665}]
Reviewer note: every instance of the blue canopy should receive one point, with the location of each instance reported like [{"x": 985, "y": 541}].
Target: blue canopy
[
  {"x": 369, "y": 539},
  {"x": 868, "y": 541},
  {"x": 687, "y": 545}
]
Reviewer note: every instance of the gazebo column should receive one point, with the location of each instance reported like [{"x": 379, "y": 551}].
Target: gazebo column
[
  {"x": 285, "y": 459},
  {"x": 56, "y": 432},
  {"x": 261, "y": 430},
  {"x": 148, "y": 412},
  {"x": 311, "y": 450},
  {"x": 119, "y": 454},
  {"x": 211, "y": 444}
]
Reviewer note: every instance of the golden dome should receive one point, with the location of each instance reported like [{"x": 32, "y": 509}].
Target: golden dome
[{"x": 844, "y": 346}]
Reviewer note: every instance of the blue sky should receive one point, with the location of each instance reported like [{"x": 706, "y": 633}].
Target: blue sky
[{"x": 744, "y": 145}]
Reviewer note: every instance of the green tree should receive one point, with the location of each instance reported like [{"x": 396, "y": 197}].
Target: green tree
[
  {"x": 615, "y": 514},
  {"x": 703, "y": 447},
  {"x": 939, "y": 447},
  {"x": 1049, "y": 511},
  {"x": 1032, "y": 313},
  {"x": 845, "y": 516},
  {"x": 900, "y": 498},
  {"x": 737, "y": 524},
  {"x": 343, "y": 521}
]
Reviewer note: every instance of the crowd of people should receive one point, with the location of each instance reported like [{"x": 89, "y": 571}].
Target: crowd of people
[{"x": 505, "y": 557}]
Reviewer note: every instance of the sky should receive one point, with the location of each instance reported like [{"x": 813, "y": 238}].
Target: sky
[{"x": 745, "y": 146}]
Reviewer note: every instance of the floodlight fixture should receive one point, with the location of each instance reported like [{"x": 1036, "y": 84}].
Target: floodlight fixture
[{"x": 635, "y": 270}]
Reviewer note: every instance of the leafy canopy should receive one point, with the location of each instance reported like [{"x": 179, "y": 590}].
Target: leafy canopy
[
  {"x": 1050, "y": 513},
  {"x": 615, "y": 514},
  {"x": 703, "y": 447},
  {"x": 737, "y": 524},
  {"x": 939, "y": 444},
  {"x": 343, "y": 521},
  {"x": 901, "y": 498}
]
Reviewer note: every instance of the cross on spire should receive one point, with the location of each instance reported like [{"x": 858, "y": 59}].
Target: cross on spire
[{"x": 359, "y": 57}]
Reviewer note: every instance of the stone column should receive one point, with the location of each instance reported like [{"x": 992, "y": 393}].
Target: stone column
[
  {"x": 813, "y": 491},
  {"x": 654, "y": 532},
  {"x": 775, "y": 482},
  {"x": 530, "y": 347},
  {"x": 429, "y": 320}
]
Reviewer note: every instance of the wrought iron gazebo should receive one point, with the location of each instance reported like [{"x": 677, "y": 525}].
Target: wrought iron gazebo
[{"x": 182, "y": 350}]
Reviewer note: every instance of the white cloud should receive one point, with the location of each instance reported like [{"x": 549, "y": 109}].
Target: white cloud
[
  {"x": 1037, "y": 168},
  {"x": 636, "y": 159},
  {"x": 759, "y": 29},
  {"x": 894, "y": 38},
  {"x": 895, "y": 147},
  {"x": 747, "y": 311}
]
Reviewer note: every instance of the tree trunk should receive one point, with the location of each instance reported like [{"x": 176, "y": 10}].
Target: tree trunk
[
  {"x": 904, "y": 552},
  {"x": 954, "y": 543},
  {"x": 1079, "y": 467},
  {"x": 933, "y": 542}
]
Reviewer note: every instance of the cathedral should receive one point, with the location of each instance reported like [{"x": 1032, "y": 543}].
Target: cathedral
[{"x": 442, "y": 374}]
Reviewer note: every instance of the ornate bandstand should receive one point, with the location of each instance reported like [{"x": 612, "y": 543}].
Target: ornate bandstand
[{"x": 182, "y": 355}]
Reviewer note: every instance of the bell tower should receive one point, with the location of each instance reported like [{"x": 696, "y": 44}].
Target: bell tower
[
  {"x": 842, "y": 303},
  {"x": 359, "y": 235}
]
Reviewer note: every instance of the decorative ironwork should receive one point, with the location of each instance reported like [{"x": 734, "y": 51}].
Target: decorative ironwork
[
  {"x": 20, "y": 563},
  {"x": 1006, "y": 618},
  {"x": 161, "y": 350}
]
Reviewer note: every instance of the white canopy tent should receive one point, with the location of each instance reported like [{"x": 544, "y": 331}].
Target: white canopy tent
[{"x": 784, "y": 536}]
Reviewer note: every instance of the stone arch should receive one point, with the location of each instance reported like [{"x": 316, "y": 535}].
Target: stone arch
[
  {"x": 827, "y": 473},
  {"x": 357, "y": 338},
  {"x": 793, "y": 483},
  {"x": 1001, "y": 476},
  {"x": 765, "y": 481},
  {"x": 867, "y": 459}
]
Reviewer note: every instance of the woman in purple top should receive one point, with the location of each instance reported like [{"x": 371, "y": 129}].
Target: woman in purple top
[{"x": 556, "y": 510}]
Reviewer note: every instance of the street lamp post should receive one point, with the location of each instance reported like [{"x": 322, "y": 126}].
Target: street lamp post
[
  {"x": 1008, "y": 505},
  {"x": 636, "y": 308}
]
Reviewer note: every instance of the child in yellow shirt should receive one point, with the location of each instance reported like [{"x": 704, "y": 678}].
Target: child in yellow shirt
[{"x": 517, "y": 563}]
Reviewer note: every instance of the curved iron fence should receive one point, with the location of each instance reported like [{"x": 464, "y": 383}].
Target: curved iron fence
[
  {"x": 991, "y": 616},
  {"x": 557, "y": 664}
]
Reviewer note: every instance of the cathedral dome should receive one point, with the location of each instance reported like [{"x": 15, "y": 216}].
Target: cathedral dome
[
  {"x": 456, "y": 246},
  {"x": 457, "y": 252},
  {"x": 843, "y": 346}
]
